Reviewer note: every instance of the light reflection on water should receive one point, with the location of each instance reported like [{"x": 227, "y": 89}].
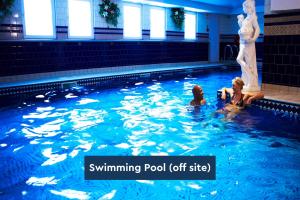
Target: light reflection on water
[{"x": 42, "y": 144}]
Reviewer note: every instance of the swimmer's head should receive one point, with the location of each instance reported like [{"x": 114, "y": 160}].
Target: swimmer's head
[
  {"x": 237, "y": 84},
  {"x": 197, "y": 92}
]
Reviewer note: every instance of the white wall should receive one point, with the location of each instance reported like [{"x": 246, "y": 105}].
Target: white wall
[
  {"x": 281, "y": 5},
  {"x": 277, "y": 6}
]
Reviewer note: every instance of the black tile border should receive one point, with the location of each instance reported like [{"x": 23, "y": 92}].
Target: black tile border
[
  {"x": 203, "y": 35},
  {"x": 278, "y": 107},
  {"x": 99, "y": 31},
  {"x": 11, "y": 28},
  {"x": 62, "y": 29},
  {"x": 233, "y": 36},
  {"x": 106, "y": 82},
  {"x": 113, "y": 81},
  {"x": 282, "y": 15},
  {"x": 109, "y": 31},
  {"x": 146, "y": 32},
  {"x": 282, "y": 23}
]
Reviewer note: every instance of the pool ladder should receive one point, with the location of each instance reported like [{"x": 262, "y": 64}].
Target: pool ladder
[{"x": 233, "y": 50}]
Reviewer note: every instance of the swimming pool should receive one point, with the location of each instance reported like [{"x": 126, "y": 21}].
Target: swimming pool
[{"x": 43, "y": 142}]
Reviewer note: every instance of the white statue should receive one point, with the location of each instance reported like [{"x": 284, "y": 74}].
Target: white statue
[{"x": 249, "y": 32}]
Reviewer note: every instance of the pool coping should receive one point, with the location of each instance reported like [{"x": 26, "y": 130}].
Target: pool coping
[
  {"x": 112, "y": 79},
  {"x": 71, "y": 75},
  {"x": 99, "y": 79},
  {"x": 290, "y": 109}
]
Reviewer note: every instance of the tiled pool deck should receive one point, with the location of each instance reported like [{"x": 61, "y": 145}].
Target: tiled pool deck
[
  {"x": 272, "y": 92},
  {"x": 281, "y": 93}
]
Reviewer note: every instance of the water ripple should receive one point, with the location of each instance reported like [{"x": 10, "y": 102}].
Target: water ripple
[{"x": 43, "y": 144}]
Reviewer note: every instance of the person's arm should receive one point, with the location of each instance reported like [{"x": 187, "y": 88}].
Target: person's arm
[
  {"x": 257, "y": 96},
  {"x": 225, "y": 91}
]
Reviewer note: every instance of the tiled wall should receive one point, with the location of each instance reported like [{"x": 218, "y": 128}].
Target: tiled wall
[
  {"x": 107, "y": 48},
  {"x": 26, "y": 57},
  {"x": 281, "y": 64}
]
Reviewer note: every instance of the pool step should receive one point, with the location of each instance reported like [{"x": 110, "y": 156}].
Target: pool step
[{"x": 68, "y": 85}]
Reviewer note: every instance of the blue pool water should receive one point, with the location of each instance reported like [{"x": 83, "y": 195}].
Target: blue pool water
[{"x": 43, "y": 143}]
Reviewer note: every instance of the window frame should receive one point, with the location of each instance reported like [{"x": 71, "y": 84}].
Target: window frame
[
  {"x": 165, "y": 21},
  {"x": 141, "y": 21},
  {"x": 53, "y": 36},
  {"x": 92, "y": 22}
]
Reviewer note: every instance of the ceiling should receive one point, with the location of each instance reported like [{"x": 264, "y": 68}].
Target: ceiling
[
  {"x": 207, "y": 6},
  {"x": 228, "y": 3}
]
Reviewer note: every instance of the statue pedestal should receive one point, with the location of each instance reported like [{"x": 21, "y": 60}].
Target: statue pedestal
[
  {"x": 254, "y": 89},
  {"x": 252, "y": 93}
]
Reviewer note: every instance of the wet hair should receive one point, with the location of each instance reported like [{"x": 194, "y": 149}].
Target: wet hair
[{"x": 238, "y": 81}]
